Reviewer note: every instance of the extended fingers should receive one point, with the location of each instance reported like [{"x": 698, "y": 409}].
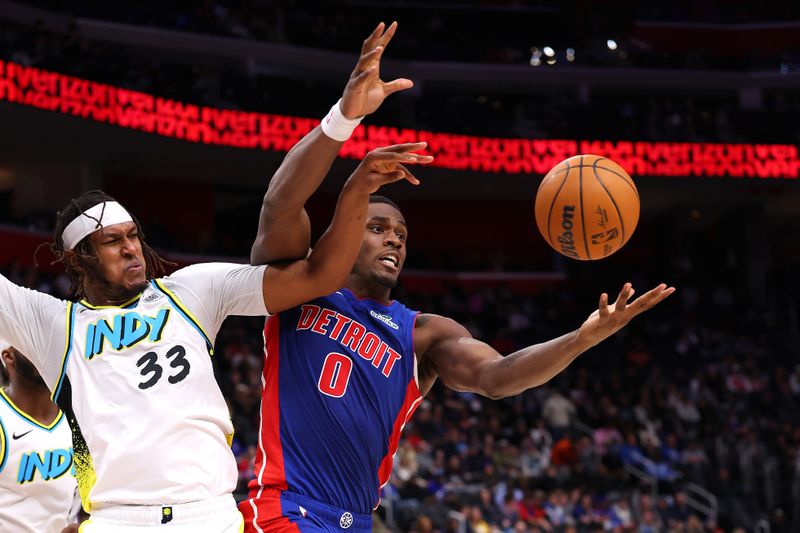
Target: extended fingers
[
  {"x": 378, "y": 39},
  {"x": 379, "y": 36},
  {"x": 382, "y": 159},
  {"x": 401, "y": 148},
  {"x": 391, "y": 161},
  {"x": 373, "y": 39},
  {"x": 388, "y": 34},
  {"x": 624, "y": 296},
  {"x": 602, "y": 307},
  {"x": 408, "y": 175},
  {"x": 398, "y": 173},
  {"x": 652, "y": 297},
  {"x": 416, "y": 159},
  {"x": 374, "y": 45}
]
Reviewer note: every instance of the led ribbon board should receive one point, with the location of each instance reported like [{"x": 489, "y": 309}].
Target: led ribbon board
[{"x": 262, "y": 131}]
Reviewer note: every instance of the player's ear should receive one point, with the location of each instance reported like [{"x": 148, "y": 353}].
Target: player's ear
[{"x": 7, "y": 356}]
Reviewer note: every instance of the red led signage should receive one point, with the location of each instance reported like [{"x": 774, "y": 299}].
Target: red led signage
[{"x": 144, "y": 112}]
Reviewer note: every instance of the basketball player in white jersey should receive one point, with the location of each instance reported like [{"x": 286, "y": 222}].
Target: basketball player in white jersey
[
  {"x": 37, "y": 484},
  {"x": 129, "y": 360}
]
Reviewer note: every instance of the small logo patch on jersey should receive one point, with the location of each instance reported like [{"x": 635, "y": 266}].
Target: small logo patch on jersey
[
  {"x": 166, "y": 515},
  {"x": 14, "y": 436},
  {"x": 152, "y": 297},
  {"x": 303, "y": 511},
  {"x": 386, "y": 319},
  {"x": 346, "y": 521}
]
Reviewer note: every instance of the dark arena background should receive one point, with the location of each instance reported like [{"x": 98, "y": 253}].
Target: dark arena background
[{"x": 687, "y": 420}]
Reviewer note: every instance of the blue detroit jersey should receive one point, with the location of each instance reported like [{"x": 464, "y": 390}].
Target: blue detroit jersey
[{"x": 339, "y": 385}]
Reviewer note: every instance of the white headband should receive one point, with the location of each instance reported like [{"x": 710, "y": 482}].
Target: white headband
[{"x": 87, "y": 222}]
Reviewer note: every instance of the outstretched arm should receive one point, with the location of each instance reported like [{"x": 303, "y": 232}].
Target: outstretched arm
[
  {"x": 463, "y": 363},
  {"x": 284, "y": 230},
  {"x": 326, "y": 269}
]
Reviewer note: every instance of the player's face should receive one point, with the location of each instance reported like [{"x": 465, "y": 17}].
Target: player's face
[
  {"x": 120, "y": 253},
  {"x": 383, "y": 250}
]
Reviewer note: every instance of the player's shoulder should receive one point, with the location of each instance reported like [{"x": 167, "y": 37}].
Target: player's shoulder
[
  {"x": 198, "y": 273},
  {"x": 432, "y": 320},
  {"x": 433, "y": 327},
  {"x": 194, "y": 270},
  {"x": 189, "y": 279}
]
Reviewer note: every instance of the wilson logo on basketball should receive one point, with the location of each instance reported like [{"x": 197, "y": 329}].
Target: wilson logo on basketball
[
  {"x": 567, "y": 238},
  {"x": 587, "y": 207}
]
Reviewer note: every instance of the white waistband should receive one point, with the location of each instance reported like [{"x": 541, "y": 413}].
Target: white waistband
[{"x": 173, "y": 514}]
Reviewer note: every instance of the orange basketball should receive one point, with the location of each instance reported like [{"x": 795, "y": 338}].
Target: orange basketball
[{"x": 587, "y": 207}]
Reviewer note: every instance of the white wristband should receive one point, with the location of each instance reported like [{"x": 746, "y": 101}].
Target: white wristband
[{"x": 338, "y": 127}]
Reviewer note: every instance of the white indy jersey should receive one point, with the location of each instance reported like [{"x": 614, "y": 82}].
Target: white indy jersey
[
  {"x": 37, "y": 478},
  {"x": 138, "y": 387}
]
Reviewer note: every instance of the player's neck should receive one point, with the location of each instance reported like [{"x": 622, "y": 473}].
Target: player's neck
[
  {"x": 103, "y": 295},
  {"x": 380, "y": 294},
  {"x": 33, "y": 400}
]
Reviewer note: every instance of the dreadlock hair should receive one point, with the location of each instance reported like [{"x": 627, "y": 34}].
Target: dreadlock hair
[
  {"x": 82, "y": 261},
  {"x": 378, "y": 199}
]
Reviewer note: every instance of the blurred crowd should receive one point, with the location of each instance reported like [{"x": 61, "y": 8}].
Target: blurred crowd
[
  {"x": 446, "y": 30},
  {"x": 694, "y": 396}
]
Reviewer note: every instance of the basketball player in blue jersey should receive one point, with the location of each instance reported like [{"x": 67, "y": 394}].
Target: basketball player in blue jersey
[
  {"x": 37, "y": 486},
  {"x": 344, "y": 373}
]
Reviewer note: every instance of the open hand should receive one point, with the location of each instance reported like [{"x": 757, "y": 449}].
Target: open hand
[
  {"x": 387, "y": 165},
  {"x": 608, "y": 319},
  {"x": 365, "y": 91}
]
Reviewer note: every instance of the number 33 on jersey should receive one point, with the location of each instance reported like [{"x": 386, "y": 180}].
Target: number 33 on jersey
[
  {"x": 141, "y": 329},
  {"x": 146, "y": 360}
]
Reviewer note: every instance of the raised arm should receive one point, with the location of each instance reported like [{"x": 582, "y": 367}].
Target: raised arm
[
  {"x": 447, "y": 350},
  {"x": 325, "y": 270},
  {"x": 284, "y": 230}
]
